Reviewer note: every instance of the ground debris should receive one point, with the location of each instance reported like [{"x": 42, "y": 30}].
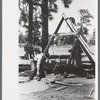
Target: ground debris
[{"x": 32, "y": 89}]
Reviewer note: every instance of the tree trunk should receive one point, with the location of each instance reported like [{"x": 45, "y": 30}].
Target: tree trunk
[
  {"x": 30, "y": 22},
  {"x": 44, "y": 9}
]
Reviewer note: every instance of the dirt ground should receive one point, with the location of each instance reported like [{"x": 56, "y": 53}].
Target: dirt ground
[{"x": 39, "y": 90}]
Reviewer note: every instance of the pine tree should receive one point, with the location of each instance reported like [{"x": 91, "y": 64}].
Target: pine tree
[{"x": 46, "y": 6}]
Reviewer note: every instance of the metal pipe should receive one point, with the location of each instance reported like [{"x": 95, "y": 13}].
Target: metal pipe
[{"x": 86, "y": 49}]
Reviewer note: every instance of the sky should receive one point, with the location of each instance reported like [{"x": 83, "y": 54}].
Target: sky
[{"x": 72, "y": 11}]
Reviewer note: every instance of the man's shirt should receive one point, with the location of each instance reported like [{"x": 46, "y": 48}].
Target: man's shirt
[{"x": 38, "y": 58}]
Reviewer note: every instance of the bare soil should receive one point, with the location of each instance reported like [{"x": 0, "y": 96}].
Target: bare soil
[{"x": 39, "y": 90}]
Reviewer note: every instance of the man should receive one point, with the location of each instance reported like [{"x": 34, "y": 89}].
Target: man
[
  {"x": 75, "y": 54},
  {"x": 39, "y": 66},
  {"x": 28, "y": 48}
]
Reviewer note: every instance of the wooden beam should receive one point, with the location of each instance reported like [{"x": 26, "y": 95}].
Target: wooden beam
[
  {"x": 61, "y": 56},
  {"x": 53, "y": 36}
]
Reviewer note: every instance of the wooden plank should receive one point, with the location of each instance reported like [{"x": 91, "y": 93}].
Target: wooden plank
[
  {"x": 62, "y": 83},
  {"x": 91, "y": 92},
  {"x": 60, "y": 88}
]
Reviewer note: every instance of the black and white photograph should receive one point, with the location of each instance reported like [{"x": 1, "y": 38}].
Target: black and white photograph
[{"x": 57, "y": 49}]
